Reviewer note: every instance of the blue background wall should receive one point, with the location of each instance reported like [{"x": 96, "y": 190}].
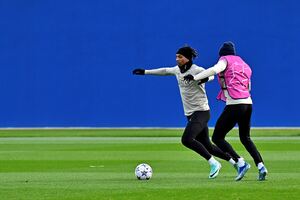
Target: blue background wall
[{"x": 69, "y": 62}]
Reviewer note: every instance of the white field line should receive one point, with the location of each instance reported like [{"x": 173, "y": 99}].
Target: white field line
[
  {"x": 132, "y": 138},
  {"x": 134, "y": 128}
]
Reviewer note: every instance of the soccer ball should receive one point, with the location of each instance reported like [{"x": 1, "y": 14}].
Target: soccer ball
[{"x": 143, "y": 171}]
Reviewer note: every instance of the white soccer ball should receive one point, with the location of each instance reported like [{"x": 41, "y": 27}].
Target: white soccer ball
[{"x": 143, "y": 171}]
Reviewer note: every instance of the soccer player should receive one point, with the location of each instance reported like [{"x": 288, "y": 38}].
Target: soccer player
[
  {"x": 234, "y": 76},
  {"x": 196, "y": 108}
]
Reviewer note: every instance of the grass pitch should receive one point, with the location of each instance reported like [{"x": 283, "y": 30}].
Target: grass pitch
[{"x": 99, "y": 164}]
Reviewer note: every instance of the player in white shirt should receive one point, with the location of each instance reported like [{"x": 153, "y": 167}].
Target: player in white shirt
[{"x": 196, "y": 108}]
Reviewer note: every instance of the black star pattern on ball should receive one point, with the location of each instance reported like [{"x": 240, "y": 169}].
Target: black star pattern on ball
[{"x": 144, "y": 173}]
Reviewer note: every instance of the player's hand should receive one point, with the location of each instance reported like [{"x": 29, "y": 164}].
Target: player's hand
[
  {"x": 203, "y": 81},
  {"x": 138, "y": 72},
  {"x": 189, "y": 78}
]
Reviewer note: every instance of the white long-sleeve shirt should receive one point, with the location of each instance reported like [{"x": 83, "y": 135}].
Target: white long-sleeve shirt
[
  {"x": 193, "y": 95},
  {"x": 217, "y": 68}
]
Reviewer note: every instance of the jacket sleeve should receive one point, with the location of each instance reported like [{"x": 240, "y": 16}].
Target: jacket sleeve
[
  {"x": 217, "y": 68},
  {"x": 165, "y": 71}
]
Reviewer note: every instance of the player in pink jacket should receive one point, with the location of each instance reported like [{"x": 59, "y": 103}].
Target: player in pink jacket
[{"x": 234, "y": 76}]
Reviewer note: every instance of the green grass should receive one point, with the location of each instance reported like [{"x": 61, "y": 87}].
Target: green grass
[
  {"x": 130, "y": 132},
  {"x": 99, "y": 164}
]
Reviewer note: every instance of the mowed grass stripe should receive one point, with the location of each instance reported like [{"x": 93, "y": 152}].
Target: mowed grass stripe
[
  {"x": 92, "y": 168},
  {"x": 124, "y": 139},
  {"x": 132, "y": 132}
]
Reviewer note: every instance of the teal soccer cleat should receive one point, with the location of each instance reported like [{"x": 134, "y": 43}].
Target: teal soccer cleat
[
  {"x": 262, "y": 173},
  {"x": 242, "y": 171},
  {"x": 214, "y": 170}
]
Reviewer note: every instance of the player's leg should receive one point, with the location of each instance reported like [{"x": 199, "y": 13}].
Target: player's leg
[
  {"x": 244, "y": 133},
  {"x": 195, "y": 125},
  {"x": 190, "y": 133},
  {"x": 203, "y": 137},
  {"x": 224, "y": 124}
]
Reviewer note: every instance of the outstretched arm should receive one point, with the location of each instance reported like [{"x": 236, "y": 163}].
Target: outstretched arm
[
  {"x": 208, "y": 74},
  {"x": 217, "y": 68},
  {"x": 160, "y": 71}
]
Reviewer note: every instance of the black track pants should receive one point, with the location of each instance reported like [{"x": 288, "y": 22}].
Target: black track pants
[
  {"x": 196, "y": 136},
  {"x": 236, "y": 114}
]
